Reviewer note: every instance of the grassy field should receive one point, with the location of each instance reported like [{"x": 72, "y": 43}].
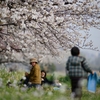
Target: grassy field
[{"x": 15, "y": 92}]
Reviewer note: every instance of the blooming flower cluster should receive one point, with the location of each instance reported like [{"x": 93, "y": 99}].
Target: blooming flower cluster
[{"x": 41, "y": 27}]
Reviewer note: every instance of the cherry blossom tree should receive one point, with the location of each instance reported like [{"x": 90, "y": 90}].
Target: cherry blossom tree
[{"x": 42, "y": 27}]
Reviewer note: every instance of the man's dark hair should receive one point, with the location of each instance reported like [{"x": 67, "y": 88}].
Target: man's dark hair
[{"x": 75, "y": 51}]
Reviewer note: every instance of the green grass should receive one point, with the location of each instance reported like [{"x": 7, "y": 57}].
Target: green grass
[{"x": 16, "y": 92}]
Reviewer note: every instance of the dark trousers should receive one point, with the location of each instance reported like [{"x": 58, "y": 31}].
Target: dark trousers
[
  {"x": 34, "y": 85},
  {"x": 76, "y": 87},
  {"x": 26, "y": 81}
]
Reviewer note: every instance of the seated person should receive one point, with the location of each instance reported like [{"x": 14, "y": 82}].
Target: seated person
[
  {"x": 44, "y": 80},
  {"x": 33, "y": 79}
]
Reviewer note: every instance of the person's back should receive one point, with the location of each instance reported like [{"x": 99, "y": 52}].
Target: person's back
[
  {"x": 78, "y": 69},
  {"x": 77, "y": 66}
]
